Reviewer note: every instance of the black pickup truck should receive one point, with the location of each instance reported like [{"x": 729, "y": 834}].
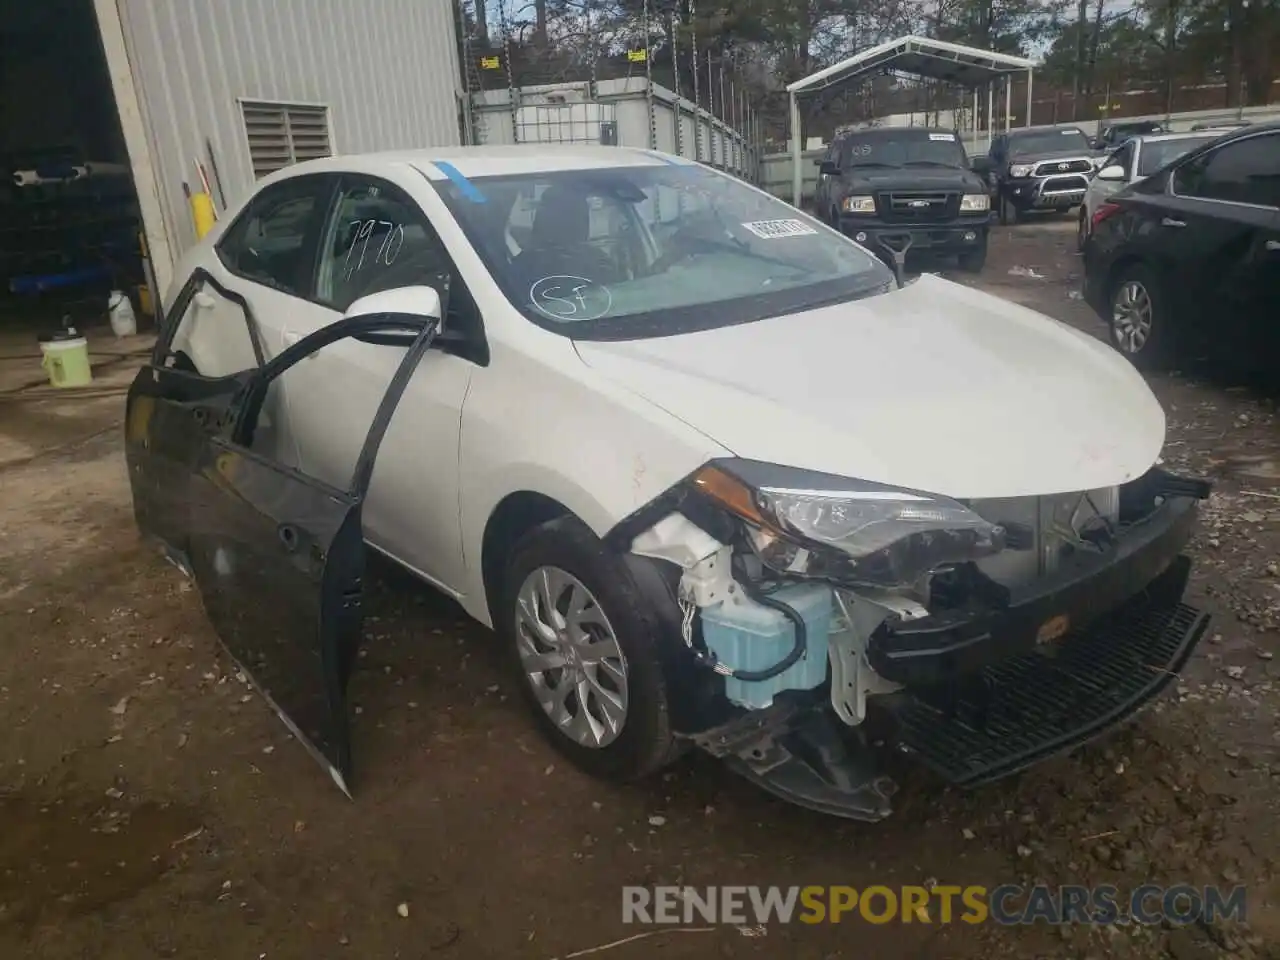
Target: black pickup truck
[
  {"x": 1038, "y": 168},
  {"x": 881, "y": 186}
]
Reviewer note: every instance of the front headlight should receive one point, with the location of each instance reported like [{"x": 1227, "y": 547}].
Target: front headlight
[
  {"x": 855, "y": 531},
  {"x": 858, "y": 205},
  {"x": 1021, "y": 170},
  {"x": 975, "y": 202}
]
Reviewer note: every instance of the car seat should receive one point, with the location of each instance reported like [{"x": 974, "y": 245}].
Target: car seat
[{"x": 559, "y": 240}]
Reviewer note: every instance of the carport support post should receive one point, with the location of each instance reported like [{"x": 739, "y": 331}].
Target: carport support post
[
  {"x": 991, "y": 111},
  {"x": 974, "y": 141},
  {"x": 1008, "y": 102},
  {"x": 797, "y": 181},
  {"x": 1029, "y": 78}
]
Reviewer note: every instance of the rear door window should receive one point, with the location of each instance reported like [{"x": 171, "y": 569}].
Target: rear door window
[
  {"x": 1243, "y": 171},
  {"x": 273, "y": 242}
]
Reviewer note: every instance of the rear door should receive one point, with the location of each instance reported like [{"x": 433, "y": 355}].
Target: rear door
[
  {"x": 1225, "y": 203},
  {"x": 264, "y": 269},
  {"x": 278, "y": 556},
  {"x": 1267, "y": 295}
]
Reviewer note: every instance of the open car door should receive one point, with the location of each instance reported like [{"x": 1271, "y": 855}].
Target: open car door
[{"x": 278, "y": 556}]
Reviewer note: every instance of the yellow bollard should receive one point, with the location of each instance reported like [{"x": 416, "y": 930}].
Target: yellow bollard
[{"x": 202, "y": 213}]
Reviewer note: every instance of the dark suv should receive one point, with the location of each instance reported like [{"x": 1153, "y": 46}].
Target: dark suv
[
  {"x": 878, "y": 186},
  {"x": 1039, "y": 168}
]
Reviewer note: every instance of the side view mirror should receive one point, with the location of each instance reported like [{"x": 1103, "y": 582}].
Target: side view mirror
[
  {"x": 981, "y": 165},
  {"x": 417, "y": 302},
  {"x": 1113, "y": 173},
  {"x": 829, "y": 167}
]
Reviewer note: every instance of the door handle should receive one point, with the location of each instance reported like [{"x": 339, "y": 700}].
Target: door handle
[
  {"x": 1170, "y": 222},
  {"x": 1273, "y": 245}
]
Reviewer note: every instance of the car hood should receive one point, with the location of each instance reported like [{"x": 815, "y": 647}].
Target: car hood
[
  {"x": 913, "y": 178},
  {"x": 935, "y": 387},
  {"x": 1074, "y": 153}
]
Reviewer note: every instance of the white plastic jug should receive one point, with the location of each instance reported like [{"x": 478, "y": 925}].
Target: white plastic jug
[{"x": 123, "y": 322}]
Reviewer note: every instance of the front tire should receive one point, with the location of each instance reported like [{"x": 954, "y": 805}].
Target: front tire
[
  {"x": 1082, "y": 229},
  {"x": 585, "y": 649},
  {"x": 1140, "y": 320},
  {"x": 972, "y": 261},
  {"x": 1008, "y": 212}
]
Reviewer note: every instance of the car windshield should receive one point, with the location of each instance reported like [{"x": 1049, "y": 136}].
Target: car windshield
[
  {"x": 1158, "y": 153},
  {"x": 903, "y": 149},
  {"x": 624, "y": 253},
  {"x": 1048, "y": 141}
]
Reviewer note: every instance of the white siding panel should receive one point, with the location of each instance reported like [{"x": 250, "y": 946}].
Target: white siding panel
[{"x": 386, "y": 69}]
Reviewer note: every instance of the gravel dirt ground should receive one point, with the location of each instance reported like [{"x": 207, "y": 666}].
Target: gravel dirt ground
[{"x": 151, "y": 805}]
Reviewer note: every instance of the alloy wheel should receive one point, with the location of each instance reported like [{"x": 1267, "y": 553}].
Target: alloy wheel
[
  {"x": 1131, "y": 316},
  {"x": 571, "y": 657}
]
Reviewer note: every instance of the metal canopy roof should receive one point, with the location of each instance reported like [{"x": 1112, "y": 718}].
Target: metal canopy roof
[{"x": 934, "y": 59}]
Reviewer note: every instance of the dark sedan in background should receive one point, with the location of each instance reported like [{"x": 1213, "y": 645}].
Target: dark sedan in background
[{"x": 1189, "y": 258}]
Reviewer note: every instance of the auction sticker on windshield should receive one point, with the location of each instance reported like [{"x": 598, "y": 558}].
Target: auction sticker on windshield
[
  {"x": 944, "y": 137},
  {"x": 774, "y": 229}
]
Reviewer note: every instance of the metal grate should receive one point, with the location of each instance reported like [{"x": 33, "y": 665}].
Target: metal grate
[
  {"x": 1033, "y": 706},
  {"x": 919, "y": 206},
  {"x": 1050, "y": 167},
  {"x": 283, "y": 133},
  {"x": 567, "y": 123}
]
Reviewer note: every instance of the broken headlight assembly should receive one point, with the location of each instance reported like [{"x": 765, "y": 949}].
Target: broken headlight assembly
[{"x": 805, "y": 524}]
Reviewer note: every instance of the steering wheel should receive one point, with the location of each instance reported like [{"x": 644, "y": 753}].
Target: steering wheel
[
  {"x": 688, "y": 241},
  {"x": 579, "y": 260}
]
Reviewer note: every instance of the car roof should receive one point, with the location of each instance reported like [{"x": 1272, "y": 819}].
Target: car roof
[
  {"x": 1047, "y": 128},
  {"x": 1185, "y": 135},
  {"x": 891, "y": 132},
  {"x": 1250, "y": 130},
  {"x": 485, "y": 161}
]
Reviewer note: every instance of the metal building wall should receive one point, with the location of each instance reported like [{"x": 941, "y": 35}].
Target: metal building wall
[{"x": 386, "y": 69}]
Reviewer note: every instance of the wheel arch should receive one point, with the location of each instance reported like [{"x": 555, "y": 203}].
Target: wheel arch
[
  {"x": 1122, "y": 263},
  {"x": 514, "y": 515}
]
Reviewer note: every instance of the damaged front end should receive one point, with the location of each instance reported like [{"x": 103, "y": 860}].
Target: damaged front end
[{"x": 978, "y": 636}]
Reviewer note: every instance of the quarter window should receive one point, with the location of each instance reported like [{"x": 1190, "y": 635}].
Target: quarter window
[
  {"x": 273, "y": 241},
  {"x": 1244, "y": 171}
]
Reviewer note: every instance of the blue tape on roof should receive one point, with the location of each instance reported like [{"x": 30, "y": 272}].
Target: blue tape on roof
[{"x": 465, "y": 186}]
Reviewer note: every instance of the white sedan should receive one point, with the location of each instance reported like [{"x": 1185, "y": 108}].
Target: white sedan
[
  {"x": 712, "y": 474},
  {"x": 1136, "y": 159}
]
